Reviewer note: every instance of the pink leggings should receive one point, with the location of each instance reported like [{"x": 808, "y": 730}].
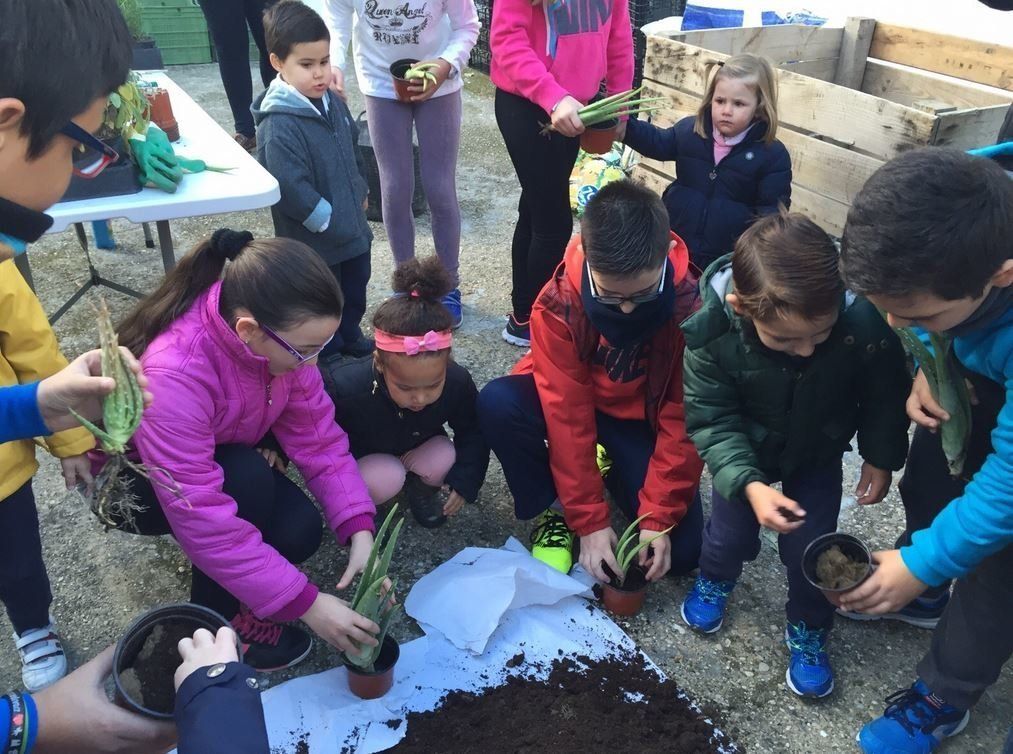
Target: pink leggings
[{"x": 384, "y": 474}]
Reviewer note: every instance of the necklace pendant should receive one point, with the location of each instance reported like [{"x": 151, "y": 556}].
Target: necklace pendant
[{"x": 713, "y": 175}]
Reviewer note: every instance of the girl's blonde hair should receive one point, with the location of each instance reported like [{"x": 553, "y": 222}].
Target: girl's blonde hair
[{"x": 759, "y": 73}]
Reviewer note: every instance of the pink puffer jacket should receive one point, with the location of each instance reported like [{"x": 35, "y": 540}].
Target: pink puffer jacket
[{"x": 211, "y": 390}]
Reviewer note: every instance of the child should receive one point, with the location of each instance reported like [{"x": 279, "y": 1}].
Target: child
[
  {"x": 394, "y": 405},
  {"x": 729, "y": 167},
  {"x": 782, "y": 367},
  {"x": 605, "y": 367},
  {"x": 233, "y": 347},
  {"x": 548, "y": 61},
  {"x": 928, "y": 241},
  {"x": 307, "y": 140},
  {"x": 438, "y": 33}
]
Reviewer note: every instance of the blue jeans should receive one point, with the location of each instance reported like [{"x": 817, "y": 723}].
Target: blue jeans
[
  {"x": 732, "y": 536},
  {"x": 511, "y": 419}
]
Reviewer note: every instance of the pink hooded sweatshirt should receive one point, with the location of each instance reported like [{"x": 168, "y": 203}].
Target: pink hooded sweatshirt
[
  {"x": 553, "y": 48},
  {"x": 210, "y": 390}
]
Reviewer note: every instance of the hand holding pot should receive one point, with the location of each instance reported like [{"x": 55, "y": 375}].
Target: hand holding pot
[
  {"x": 773, "y": 510},
  {"x": 339, "y": 625},
  {"x": 890, "y": 587},
  {"x": 565, "y": 119},
  {"x": 203, "y": 650},
  {"x": 440, "y": 69},
  {"x": 76, "y": 717},
  {"x": 597, "y": 547},
  {"x": 659, "y": 561}
]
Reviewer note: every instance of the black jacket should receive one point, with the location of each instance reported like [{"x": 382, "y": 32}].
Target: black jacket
[
  {"x": 221, "y": 712},
  {"x": 375, "y": 424},
  {"x": 708, "y": 206}
]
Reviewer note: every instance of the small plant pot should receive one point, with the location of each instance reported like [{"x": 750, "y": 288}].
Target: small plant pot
[
  {"x": 161, "y": 112},
  {"x": 372, "y": 684},
  {"x": 627, "y": 598},
  {"x": 133, "y": 641},
  {"x": 146, "y": 56},
  {"x": 397, "y": 71},
  {"x": 598, "y": 139},
  {"x": 851, "y": 546}
]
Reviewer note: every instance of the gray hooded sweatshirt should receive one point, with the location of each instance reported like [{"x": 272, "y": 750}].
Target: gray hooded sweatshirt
[{"x": 318, "y": 166}]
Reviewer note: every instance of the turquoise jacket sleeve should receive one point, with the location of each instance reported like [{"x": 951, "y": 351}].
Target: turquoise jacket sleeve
[{"x": 19, "y": 413}]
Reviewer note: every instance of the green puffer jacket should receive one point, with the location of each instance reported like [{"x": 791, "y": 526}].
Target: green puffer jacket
[{"x": 757, "y": 415}]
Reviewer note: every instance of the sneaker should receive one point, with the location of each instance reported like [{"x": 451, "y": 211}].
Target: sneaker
[
  {"x": 268, "y": 645},
  {"x": 809, "y": 672},
  {"x": 43, "y": 661},
  {"x": 249, "y": 143},
  {"x": 552, "y": 541},
  {"x": 362, "y": 347},
  {"x": 452, "y": 303},
  {"x": 426, "y": 502},
  {"x": 516, "y": 333},
  {"x": 915, "y": 722},
  {"x": 704, "y": 607},
  {"x": 922, "y": 612}
]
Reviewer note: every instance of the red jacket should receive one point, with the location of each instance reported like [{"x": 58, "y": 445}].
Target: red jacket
[{"x": 563, "y": 342}]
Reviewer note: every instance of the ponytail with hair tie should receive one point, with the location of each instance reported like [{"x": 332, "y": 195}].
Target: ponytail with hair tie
[{"x": 227, "y": 243}]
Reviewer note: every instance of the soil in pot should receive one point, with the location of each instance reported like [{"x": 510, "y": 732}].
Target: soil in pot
[
  {"x": 598, "y": 139},
  {"x": 149, "y": 680},
  {"x": 584, "y": 705},
  {"x": 397, "y": 71},
  {"x": 835, "y": 570}
]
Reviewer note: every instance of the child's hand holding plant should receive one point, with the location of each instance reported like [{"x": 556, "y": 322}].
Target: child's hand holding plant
[
  {"x": 773, "y": 510},
  {"x": 596, "y": 547},
  {"x": 655, "y": 559},
  {"x": 434, "y": 73}
]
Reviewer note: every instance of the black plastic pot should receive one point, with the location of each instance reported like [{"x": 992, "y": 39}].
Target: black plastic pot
[
  {"x": 851, "y": 546},
  {"x": 117, "y": 179},
  {"x": 372, "y": 684},
  {"x": 133, "y": 640},
  {"x": 147, "y": 56}
]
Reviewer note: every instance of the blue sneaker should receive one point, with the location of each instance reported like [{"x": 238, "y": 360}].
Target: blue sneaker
[
  {"x": 704, "y": 606},
  {"x": 809, "y": 672},
  {"x": 922, "y": 612},
  {"x": 452, "y": 303},
  {"x": 915, "y": 722}
]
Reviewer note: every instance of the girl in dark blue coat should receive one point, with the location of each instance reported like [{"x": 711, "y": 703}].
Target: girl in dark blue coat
[{"x": 729, "y": 167}]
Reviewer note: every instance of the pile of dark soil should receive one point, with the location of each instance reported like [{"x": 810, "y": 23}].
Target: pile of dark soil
[
  {"x": 835, "y": 570},
  {"x": 585, "y": 705},
  {"x": 149, "y": 680}
]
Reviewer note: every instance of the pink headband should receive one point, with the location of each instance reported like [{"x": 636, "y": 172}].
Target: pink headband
[{"x": 410, "y": 345}]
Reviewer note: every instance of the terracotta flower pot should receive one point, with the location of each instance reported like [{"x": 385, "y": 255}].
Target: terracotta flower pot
[
  {"x": 598, "y": 139},
  {"x": 397, "y": 71},
  {"x": 627, "y": 598},
  {"x": 133, "y": 641},
  {"x": 851, "y": 546},
  {"x": 377, "y": 682},
  {"x": 161, "y": 113}
]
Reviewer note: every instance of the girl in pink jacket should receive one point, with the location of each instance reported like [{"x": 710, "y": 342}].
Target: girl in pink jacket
[
  {"x": 549, "y": 58},
  {"x": 230, "y": 355}
]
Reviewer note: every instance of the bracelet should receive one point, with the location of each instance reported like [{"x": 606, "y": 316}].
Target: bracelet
[{"x": 17, "y": 737}]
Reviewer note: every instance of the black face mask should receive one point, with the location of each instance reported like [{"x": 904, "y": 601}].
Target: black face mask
[{"x": 626, "y": 330}]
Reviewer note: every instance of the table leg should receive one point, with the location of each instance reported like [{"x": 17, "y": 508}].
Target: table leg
[
  {"x": 165, "y": 244},
  {"x": 82, "y": 236},
  {"x": 149, "y": 242},
  {"x": 22, "y": 263}
]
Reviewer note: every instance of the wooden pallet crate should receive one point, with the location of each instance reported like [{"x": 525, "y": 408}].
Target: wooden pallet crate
[{"x": 849, "y": 98}]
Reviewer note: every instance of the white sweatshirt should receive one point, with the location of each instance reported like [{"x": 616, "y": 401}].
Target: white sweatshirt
[{"x": 383, "y": 31}]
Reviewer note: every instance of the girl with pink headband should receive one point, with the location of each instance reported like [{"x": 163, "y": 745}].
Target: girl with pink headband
[{"x": 394, "y": 404}]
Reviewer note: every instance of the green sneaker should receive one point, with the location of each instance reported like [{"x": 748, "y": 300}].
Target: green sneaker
[{"x": 552, "y": 542}]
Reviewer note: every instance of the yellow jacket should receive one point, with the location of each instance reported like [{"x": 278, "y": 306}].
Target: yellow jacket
[{"x": 29, "y": 352}]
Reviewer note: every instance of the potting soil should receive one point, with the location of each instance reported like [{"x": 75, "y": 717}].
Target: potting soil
[
  {"x": 149, "y": 680},
  {"x": 835, "y": 570},
  {"x": 616, "y": 704}
]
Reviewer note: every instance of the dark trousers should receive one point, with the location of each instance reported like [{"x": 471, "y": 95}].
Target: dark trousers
[
  {"x": 732, "y": 536},
  {"x": 353, "y": 276},
  {"x": 287, "y": 519},
  {"x": 544, "y": 220},
  {"x": 511, "y": 418},
  {"x": 24, "y": 585},
  {"x": 974, "y": 638},
  {"x": 228, "y": 21}
]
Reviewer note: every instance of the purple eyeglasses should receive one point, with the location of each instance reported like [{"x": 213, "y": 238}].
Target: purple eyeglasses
[{"x": 300, "y": 357}]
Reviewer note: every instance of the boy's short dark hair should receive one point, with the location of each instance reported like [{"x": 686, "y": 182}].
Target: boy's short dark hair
[
  {"x": 290, "y": 22},
  {"x": 932, "y": 220},
  {"x": 624, "y": 229},
  {"x": 59, "y": 56}
]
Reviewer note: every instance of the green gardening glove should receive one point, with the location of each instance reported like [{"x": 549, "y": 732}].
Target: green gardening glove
[{"x": 155, "y": 160}]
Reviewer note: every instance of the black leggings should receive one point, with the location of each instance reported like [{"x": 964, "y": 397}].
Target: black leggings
[
  {"x": 544, "y": 220},
  {"x": 227, "y": 21},
  {"x": 287, "y": 519}
]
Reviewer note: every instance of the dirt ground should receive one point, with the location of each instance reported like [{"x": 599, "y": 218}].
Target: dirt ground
[{"x": 102, "y": 581}]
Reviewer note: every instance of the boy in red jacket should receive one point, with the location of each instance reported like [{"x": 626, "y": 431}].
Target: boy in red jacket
[{"x": 605, "y": 367}]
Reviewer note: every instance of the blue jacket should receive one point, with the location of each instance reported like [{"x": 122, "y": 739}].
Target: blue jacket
[
  {"x": 19, "y": 413},
  {"x": 980, "y": 522},
  {"x": 708, "y": 206}
]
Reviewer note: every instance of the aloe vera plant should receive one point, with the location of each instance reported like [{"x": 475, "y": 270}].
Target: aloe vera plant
[
  {"x": 422, "y": 71},
  {"x": 622, "y": 105},
  {"x": 371, "y": 599},
  {"x": 630, "y": 545},
  {"x": 949, "y": 390}
]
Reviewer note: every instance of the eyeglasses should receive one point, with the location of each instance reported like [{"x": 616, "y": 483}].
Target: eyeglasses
[
  {"x": 300, "y": 357},
  {"x": 92, "y": 155},
  {"x": 640, "y": 298}
]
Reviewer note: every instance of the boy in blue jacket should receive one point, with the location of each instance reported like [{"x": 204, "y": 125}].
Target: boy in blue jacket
[{"x": 928, "y": 241}]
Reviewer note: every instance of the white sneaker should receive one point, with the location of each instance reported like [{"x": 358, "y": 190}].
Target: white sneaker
[{"x": 43, "y": 661}]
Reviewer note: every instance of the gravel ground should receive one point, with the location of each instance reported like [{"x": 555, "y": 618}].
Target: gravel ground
[{"x": 102, "y": 580}]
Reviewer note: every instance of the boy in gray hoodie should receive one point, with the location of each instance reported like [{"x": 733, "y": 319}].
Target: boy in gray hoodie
[{"x": 306, "y": 139}]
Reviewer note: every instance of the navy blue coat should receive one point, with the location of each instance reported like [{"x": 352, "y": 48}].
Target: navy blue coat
[
  {"x": 708, "y": 206},
  {"x": 218, "y": 710}
]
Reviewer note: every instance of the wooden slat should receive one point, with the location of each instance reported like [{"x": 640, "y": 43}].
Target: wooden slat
[
  {"x": 870, "y": 124},
  {"x": 825, "y": 212},
  {"x": 824, "y": 69},
  {"x": 968, "y": 129},
  {"x": 969, "y": 59},
  {"x": 778, "y": 43},
  {"x": 854, "y": 52},
  {"x": 905, "y": 86},
  {"x": 651, "y": 178}
]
